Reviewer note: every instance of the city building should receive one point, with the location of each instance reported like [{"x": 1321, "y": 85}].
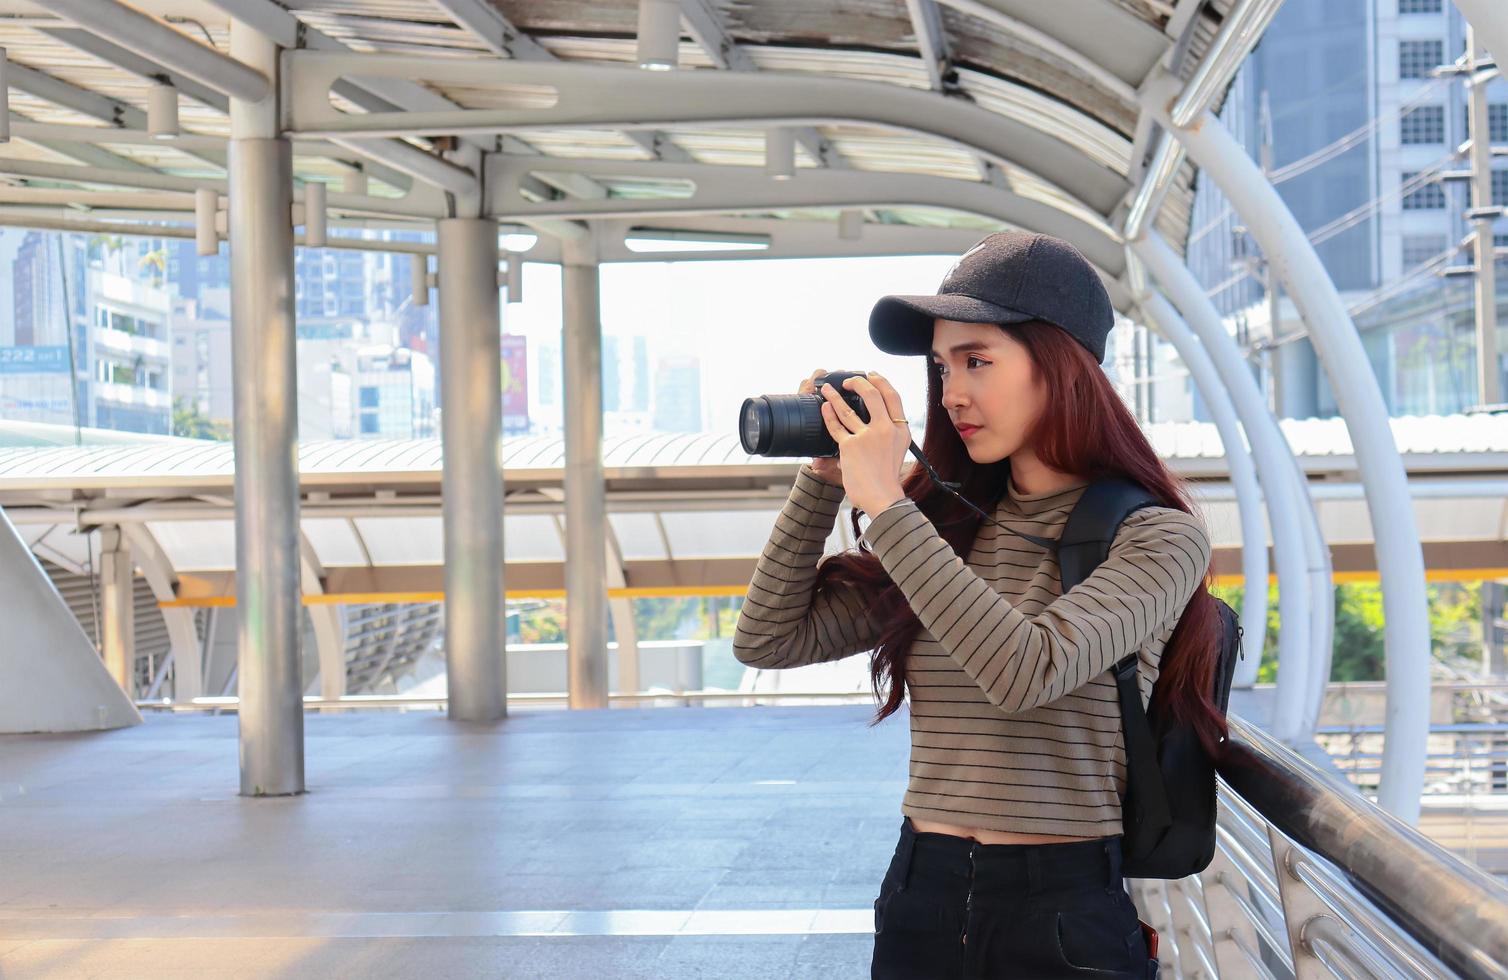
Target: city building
[
  {"x": 394, "y": 391},
  {"x": 678, "y": 394},
  {"x": 1343, "y": 104}
]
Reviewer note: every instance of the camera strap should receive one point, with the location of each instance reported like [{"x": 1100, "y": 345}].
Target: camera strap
[{"x": 1050, "y": 544}]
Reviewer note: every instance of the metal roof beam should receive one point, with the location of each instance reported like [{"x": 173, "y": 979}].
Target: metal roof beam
[
  {"x": 1116, "y": 85},
  {"x": 702, "y": 21},
  {"x": 931, "y": 40},
  {"x": 487, "y": 24},
  {"x": 155, "y": 40},
  {"x": 127, "y": 60},
  {"x": 70, "y": 96},
  {"x": 728, "y": 190},
  {"x": 614, "y": 97},
  {"x": 81, "y": 100},
  {"x": 705, "y": 25}
]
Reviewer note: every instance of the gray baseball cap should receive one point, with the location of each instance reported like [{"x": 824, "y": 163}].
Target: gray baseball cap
[{"x": 1009, "y": 277}]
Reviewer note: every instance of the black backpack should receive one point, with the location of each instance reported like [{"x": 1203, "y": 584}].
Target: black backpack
[{"x": 1168, "y": 810}]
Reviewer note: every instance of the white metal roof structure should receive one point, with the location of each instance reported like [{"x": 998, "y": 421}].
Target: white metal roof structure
[
  {"x": 864, "y": 127},
  {"x": 1046, "y": 131}
]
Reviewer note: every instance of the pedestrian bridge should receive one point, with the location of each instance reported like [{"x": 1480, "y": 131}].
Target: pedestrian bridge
[{"x": 498, "y": 839}]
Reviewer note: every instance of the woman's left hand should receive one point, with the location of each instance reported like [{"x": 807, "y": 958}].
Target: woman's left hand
[{"x": 871, "y": 452}]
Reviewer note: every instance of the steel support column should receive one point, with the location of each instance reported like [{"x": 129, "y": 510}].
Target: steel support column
[
  {"x": 265, "y": 398},
  {"x": 1400, "y": 558},
  {"x": 585, "y": 493},
  {"x": 472, "y": 481},
  {"x": 118, "y": 609}
]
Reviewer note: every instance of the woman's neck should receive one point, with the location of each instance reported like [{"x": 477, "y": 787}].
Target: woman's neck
[{"x": 1032, "y": 476}]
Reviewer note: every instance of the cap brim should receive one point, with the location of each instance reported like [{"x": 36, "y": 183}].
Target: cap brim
[{"x": 903, "y": 324}]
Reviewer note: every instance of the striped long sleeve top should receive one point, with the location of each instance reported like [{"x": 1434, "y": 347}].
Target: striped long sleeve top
[{"x": 1015, "y": 721}]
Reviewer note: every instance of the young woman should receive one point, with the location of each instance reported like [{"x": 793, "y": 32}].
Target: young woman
[{"x": 1008, "y": 863}]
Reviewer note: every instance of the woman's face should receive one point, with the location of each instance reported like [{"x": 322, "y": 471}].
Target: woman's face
[{"x": 988, "y": 381}]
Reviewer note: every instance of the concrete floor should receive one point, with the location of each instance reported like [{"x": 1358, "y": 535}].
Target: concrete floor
[{"x": 664, "y": 843}]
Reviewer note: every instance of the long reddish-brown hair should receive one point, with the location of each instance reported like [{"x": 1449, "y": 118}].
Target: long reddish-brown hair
[{"x": 1085, "y": 430}]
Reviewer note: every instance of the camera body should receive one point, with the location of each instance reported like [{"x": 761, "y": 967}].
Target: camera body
[{"x": 791, "y": 425}]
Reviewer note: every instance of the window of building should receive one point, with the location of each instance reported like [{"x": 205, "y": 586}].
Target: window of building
[
  {"x": 369, "y": 424},
  {"x": 1500, "y": 188},
  {"x": 1418, "y": 6},
  {"x": 1427, "y": 197},
  {"x": 1497, "y": 122},
  {"x": 1416, "y": 58},
  {"x": 1419, "y": 249},
  {"x": 1423, "y": 124},
  {"x": 369, "y": 397}
]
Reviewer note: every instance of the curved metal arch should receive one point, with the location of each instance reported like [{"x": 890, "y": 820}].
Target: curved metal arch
[
  {"x": 1284, "y": 502},
  {"x": 1336, "y": 341},
  {"x": 183, "y": 639},
  {"x": 1243, "y": 473},
  {"x": 585, "y": 95},
  {"x": 723, "y": 189}
]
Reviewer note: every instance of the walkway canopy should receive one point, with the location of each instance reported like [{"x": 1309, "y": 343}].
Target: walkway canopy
[
  {"x": 866, "y": 127},
  {"x": 994, "y": 114}
]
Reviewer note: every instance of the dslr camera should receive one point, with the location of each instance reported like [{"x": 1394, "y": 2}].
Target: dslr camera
[{"x": 791, "y": 425}]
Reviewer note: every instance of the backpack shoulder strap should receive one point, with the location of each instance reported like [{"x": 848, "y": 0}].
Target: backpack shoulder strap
[
  {"x": 1085, "y": 541},
  {"x": 1083, "y": 546}
]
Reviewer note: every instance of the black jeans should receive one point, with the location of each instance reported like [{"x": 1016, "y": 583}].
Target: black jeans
[{"x": 951, "y": 908}]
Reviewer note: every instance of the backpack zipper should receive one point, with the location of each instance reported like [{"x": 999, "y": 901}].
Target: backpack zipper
[{"x": 968, "y": 902}]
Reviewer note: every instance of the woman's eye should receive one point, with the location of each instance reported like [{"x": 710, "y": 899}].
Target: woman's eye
[{"x": 972, "y": 359}]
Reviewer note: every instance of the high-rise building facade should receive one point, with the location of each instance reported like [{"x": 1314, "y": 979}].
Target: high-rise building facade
[{"x": 1342, "y": 103}]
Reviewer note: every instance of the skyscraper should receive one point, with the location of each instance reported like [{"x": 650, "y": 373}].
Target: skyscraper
[
  {"x": 1340, "y": 95},
  {"x": 678, "y": 394}
]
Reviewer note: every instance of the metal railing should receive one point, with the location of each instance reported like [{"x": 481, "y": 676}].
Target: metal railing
[{"x": 1310, "y": 879}]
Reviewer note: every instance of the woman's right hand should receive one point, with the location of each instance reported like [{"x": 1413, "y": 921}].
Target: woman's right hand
[{"x": 826, "y": 467}]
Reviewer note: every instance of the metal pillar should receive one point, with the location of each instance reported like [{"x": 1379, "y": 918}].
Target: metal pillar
[
  {"x": 472, "y": 480},
  {"x": 1243, "y": 476},
  {"x": 1482, "y": 215},
  {"x": 265, "y": 397},
  {"x": 1400, "y": 558},
  {"x": 1270, "y": 448},
  {"x": 118, "y": 609},
  {"x": 585, "y": 503}
]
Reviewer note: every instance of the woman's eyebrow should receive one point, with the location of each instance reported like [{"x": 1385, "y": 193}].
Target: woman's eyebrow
[{"x": 967, "y": 346}]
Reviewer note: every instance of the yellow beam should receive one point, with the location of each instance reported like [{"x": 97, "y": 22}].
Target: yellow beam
[
  {"x": 700, "y": 591},
  {"x": 1349, "y": 578},
  {"x": 340, "y": 598}
]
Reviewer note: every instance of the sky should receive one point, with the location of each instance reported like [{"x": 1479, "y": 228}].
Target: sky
[{"x": 759, "y": 326}]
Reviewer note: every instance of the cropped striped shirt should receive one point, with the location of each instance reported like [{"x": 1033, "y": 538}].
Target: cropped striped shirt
[{"x": 1015, "y": 722}]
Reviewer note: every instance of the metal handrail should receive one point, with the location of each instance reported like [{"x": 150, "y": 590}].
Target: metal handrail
[{"x": 1456, "y": 912}]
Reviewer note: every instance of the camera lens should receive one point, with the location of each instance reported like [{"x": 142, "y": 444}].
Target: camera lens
[
  {"x": 754, "y": 428},
  {"x": 791, "y": 425}
]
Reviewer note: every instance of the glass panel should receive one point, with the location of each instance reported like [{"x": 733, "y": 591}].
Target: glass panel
[
  {"x": 334, "y": 542},
  {"x": 403, "y": 540},
  {"x": 531, "y": 537},
  {"x": 638, "y": 537},
  {"x": 718, "y": 533},
  {"x": 197, "y": 546}
]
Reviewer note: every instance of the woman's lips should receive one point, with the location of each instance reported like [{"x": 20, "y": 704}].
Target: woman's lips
[{"x": 967, "y": 430}]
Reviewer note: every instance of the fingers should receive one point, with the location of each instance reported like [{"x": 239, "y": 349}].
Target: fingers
[
  {"x": 834, "y": 427},
  {"x": 893, "y": 407},
  {"x": 873, "y": 400},
  {"x": 834, "y": 404},
  {"x": 809, "y": 386}
]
